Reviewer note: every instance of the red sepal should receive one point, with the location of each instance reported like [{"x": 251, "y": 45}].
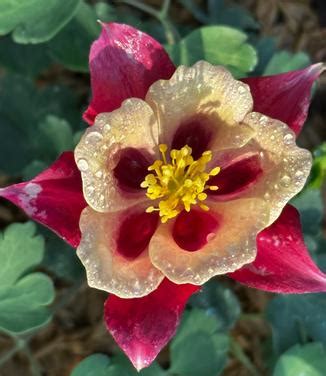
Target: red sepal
[
  {"x": 285, "y": 96},
  {"x": 143, "y": 326},
  {"x": 124, "y": 62},
  {"x": 54, "y": 198},
  {"x": 283, "y": 263}
]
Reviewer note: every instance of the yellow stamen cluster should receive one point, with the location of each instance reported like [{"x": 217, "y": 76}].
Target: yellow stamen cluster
[{"x": 180, "y": 181}]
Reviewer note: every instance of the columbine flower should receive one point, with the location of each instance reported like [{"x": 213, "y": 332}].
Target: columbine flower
[{"x": 185, "y": 174}]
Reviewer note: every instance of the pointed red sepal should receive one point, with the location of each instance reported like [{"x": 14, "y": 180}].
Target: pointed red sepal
[
  {"x": 54, "y": 198},
  {"x": 124, "y": 62},
  {"x": 283, "y": 263},
  {"x": 285, "y": 96},
  {"x": 143, "y": 326}
]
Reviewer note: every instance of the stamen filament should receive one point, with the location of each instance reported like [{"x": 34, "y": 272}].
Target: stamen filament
[{"x": 181, "y": 182}]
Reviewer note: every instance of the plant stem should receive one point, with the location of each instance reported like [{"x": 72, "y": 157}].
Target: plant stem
[
  {"x": 141, "y": 6},
  {"x": 9, "y": 354},
  {"x": 165, "y": 8},
  {"x": 239, "y": 354},
  {"x": 161, "y": 15},
  {"x": 34, "y": 366},
  {"x": 21, "y": 344}
]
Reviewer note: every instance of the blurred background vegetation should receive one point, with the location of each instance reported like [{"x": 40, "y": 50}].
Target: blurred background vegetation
[{"x": 49, "y": 319}]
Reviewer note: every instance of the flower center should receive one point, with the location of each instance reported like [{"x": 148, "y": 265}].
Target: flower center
[{"x": 179, "y": 182}]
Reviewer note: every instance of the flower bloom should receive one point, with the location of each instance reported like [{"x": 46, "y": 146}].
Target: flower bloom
[{"x": 184, "y": 174}]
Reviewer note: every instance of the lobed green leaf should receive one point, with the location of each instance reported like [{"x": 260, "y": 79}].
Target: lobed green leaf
[
  {"x": 23, "y": 297},
  {"x": 33, "y": 21}
]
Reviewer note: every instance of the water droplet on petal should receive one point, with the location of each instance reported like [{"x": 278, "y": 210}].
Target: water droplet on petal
[
  {"x": 299, "y": 174},
  {"x": 94, "y": 137},
  {"x": 82, "y": 164},
  {"x": 288, "y": 138},
  {"x": 285, "y": 181},
  {"x": 241, "y": 89},
  {"x": 107, "y": 127},
  {"x": 90, "y": 189},
  {"x": 263, "y": 120}
]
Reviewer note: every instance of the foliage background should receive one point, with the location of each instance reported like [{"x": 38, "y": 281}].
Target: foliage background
[{"x": 50, "y": 321}]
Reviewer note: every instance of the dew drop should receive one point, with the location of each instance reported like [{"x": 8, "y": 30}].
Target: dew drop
[
  {"x": 299, "y": 174},
  {"x": 107, "y": 127},
  {"x": 267, "y": 196},
  {"x": 285, "y": 181},
  {"x": 90, "y": 189},
  {"x": 94, "y": 137},
  {"x": 99, "y": 174},
  {"x": 241, "y": 89},
  {"x": 288, "y": 138},
  {"x": 82, "y": 164},
  {"x": 263, "y": 119}
]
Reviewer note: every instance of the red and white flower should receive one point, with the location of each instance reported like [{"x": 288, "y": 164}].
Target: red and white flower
[{"x": 184, "y": 174}]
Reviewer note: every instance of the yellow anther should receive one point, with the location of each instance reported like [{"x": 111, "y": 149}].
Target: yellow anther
[
  {"x": 150, "y": 209},
  {"x": 202, "y": 196},
  {"x": 215, "y": 171},
  {"x": 204, "y": 207},
  {"x": 163, "y": 148},
  {"x": 179, "y": 182}
]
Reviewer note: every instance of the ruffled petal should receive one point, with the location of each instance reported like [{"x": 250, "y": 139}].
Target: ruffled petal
[
  {"x": 114, "y": 251},
  {"x": 142, "y": 327},
  {"x": 283, "y": 263},
  {"x": 185, "y": 255},
  {"x": 54, "y": 198},
  {"x": 285, "y": 166},
  {"x": 104, "y": 150},
  {"x": 285, "y": 96},
  {"x": 278, "y": 171},
  {"x": 124, "y": 62},
  {"x": 203, "y": 95}
]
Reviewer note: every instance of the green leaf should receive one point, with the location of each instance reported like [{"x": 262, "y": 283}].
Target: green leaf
[
  {"x": 105, "y": 12},
  {"x": 93, "y": 365},
  {"x": 220, "y": 301},
  {"x": 26, "y": 131},
  {"x": 119, "y": 365},
  {"x": 234, "y": 16},
  {"x": 60, "y": 258},
  {"x": 20, "y": 250},
  {"x": 33, "y": 169},
  {"x": 195, "y": 10},
  {"x": 217, "y": 45},
  {"x": 307, "y": 360},
  {"x": 318, "y": 172},
  {"x": 33, "y": 21},
  {"x": 28, "y": 60},
  {"x": 55, "y": 136},
  {"x": 265, "y": 47},
  {"x": 310, "y": 206},
  {"x": 222, "y": 14},
  {"x": 71, "y": 46},
  {"x": 285, "y": 61},
  {"x": 198, "y": 348},
  {"x": 297, "y": 318},
  {"x": 23, "y": 297}
]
